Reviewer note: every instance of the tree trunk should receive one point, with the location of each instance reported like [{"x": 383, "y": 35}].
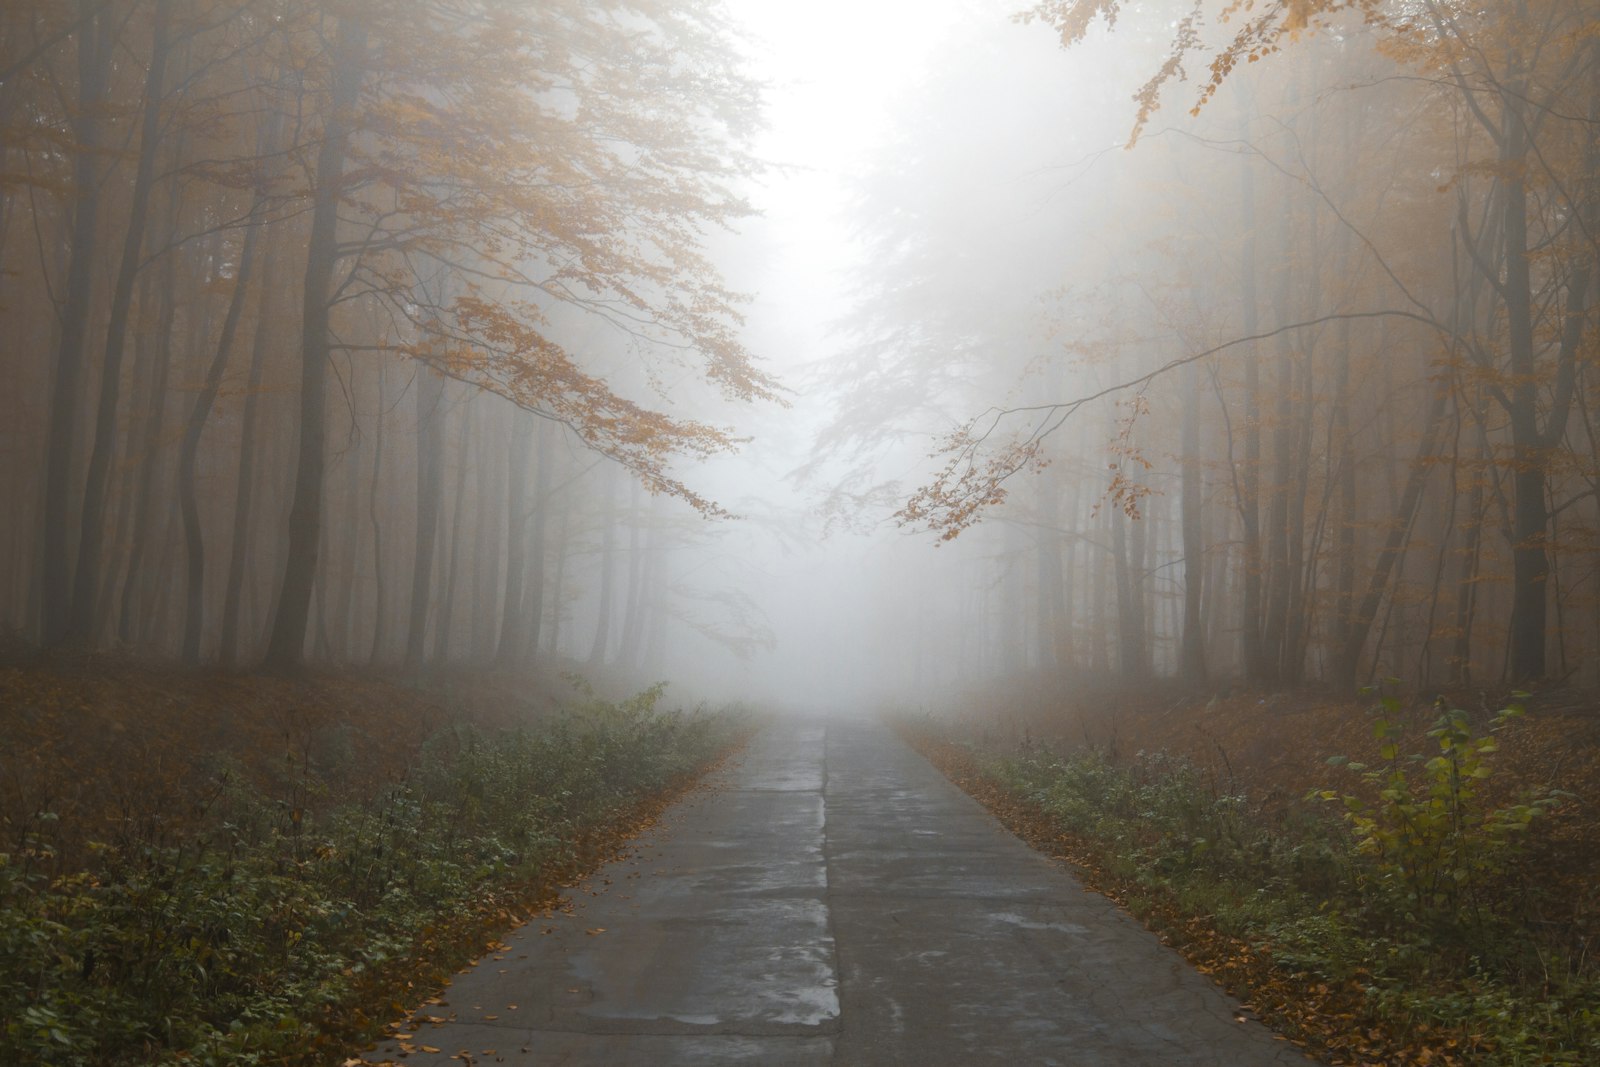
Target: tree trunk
[
  {"x": 286, "y": 647},
  {"x": 1276, "y": 621},
  {"x": 533, "y": 609},
  {"x": 1192, "y": 657},
  {"x": 632, "y": 613},
  {"x": 244, "y": 491},
  {"x": 91, "y": 536},
  {"x": 486, "y": 588},
  {"x": 1099, "y": 652},
  {"x": 512, "y": 630},
  {"x": 1349, "y": 656},
  {"x": 380, "y": 603},
  {"x": 1300, "y": 573},
  {"x": 1140, "y": 537},
  {"x": 1344, "y": 580},
  {"x": 441, "y": 631},
  {"x": 1130, "y": 619},
  {"x": 1250, "y": 617},
  {"x": 1530, "y": 565},
  {"x": 189, "y": 450},
  {"x": 319, "y": 633},
  {"x": 1052, "y": 611},
  {"x": 558, "y": 583},
  {"x": 136, "y": 581},
  {"x": 1467, "y": 581},
  {"x": 343, "y": 555},
  {"x": 1531, "y": 444},
  {"x": 430, "y": 416},
  {"x": 653, "y": 663},
  {"x": 93, "y": 66},
  {"x": 608, "y": 550}
]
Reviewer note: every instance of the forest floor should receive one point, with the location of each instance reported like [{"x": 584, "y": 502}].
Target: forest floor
[
  {"x": 1271, "y": 750},
  {"x": 1275, "y": 744},
  {"x": 99, "y": 740},
  {"x": 293, "y": 856}
]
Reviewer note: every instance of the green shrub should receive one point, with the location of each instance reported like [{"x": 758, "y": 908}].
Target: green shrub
[{"x": 1434, "y": 842}]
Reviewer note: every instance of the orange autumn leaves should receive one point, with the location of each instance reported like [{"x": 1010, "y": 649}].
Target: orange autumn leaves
[{"x": 527, "y": 213}]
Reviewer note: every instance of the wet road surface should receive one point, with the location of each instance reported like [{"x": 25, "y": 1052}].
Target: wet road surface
[{"x": 835, "y": 900}]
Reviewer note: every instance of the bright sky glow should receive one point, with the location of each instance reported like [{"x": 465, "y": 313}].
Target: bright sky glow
[{"x": 832, "y": 67}]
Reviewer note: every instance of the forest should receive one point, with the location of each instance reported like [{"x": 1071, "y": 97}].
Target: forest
[
  {"x": 1019, "y": 368},
  {"x": 343, "y": 338},
  {"x": 361, "y": 353},
  {"x": 1293, "y": 389}
]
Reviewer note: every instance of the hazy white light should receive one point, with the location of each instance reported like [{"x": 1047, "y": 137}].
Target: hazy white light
[
  {"x": 832, "y": 68},
  {"x": 833, "y": 65}
]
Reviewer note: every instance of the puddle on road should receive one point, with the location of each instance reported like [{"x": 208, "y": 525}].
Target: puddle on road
[
  {"x": 805, "y": 1006},
  {"x": 768, "y": 961},
  {"x": 1022, "y": 922}
]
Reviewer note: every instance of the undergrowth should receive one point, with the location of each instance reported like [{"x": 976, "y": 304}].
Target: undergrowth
[
  {"x": 1400, "y": 882},
  {"x": 281, "y": 928}
]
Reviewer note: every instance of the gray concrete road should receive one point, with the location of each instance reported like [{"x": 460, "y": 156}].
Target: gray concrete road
[{"x": 834, "y": 900}]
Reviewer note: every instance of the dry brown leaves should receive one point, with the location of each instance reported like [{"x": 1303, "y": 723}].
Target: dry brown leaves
[{"x": 107, "y": 743}]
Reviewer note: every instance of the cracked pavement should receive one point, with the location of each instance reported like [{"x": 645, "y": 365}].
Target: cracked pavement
[{"x": 833, "y": 899}]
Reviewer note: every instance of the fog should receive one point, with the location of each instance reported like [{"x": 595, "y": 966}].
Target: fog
[{"x": 882, "y": 354}]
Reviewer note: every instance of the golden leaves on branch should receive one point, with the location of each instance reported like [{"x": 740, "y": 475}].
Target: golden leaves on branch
[
  {"x": 972, "y": 479},
  {"x": 970, "y": 483},
  {"x": 1127, "y": 492},
  {"x": 521, "y": 169},
  {"x": 490, "y": 345},
  {"x": 1262, "y": 31}
]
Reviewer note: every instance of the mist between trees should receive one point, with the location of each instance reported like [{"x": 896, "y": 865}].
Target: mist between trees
[
  {"x": 395, "y": 333},
  {"x": 341, "y": 330},
  {"x": 1295, "y": 386}
]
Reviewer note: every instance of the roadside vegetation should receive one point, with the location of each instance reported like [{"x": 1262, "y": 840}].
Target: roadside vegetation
[
  {"x": 281, "y": 896},
  {"x": 1416, "y": 902}
]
